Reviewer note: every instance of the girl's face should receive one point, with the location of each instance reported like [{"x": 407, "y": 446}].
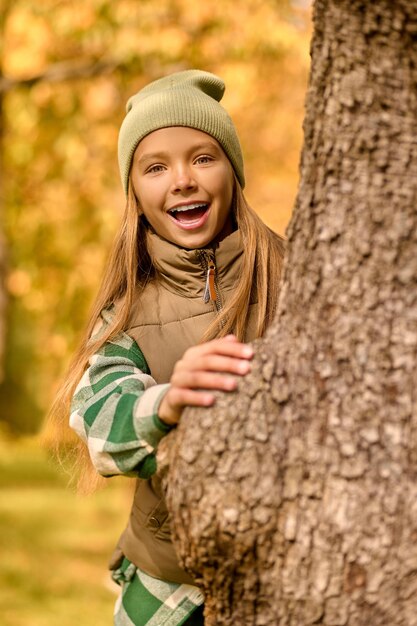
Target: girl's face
[{"x": 184, "y": 182}]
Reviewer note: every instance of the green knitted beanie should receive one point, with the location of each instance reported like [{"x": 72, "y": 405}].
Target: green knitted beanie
[{"x": 190, "y": 98}]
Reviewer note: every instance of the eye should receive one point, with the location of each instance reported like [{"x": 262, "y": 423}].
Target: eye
[
  {"x": 154, "y": 169},
  {"x": 203, "y": 159}
]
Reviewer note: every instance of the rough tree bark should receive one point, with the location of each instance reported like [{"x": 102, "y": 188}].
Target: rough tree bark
[{"x": 294, "y": 501}]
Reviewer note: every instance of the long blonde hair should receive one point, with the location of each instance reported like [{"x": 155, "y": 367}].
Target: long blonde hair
[{"x": 128, "y": 270}]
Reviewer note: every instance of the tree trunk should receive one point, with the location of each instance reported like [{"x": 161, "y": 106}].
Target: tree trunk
[
  {"x": 294, "y": 501},
  {"x": 3, "y": 247}
]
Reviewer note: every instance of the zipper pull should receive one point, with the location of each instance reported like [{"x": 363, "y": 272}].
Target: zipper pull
[{"x": 210, "y": 290}]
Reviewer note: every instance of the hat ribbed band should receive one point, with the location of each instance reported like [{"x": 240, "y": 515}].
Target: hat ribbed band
[{"x": 181, "y": 104}]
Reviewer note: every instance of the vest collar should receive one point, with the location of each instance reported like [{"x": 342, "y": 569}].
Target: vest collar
[{"x": 184, "y": 271}]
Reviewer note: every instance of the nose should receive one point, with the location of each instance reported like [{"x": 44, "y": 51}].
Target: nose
[{"x": 183, "y": 179}]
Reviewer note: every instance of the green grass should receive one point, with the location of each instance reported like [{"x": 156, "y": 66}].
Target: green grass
[{"x": 54, "y": 544}]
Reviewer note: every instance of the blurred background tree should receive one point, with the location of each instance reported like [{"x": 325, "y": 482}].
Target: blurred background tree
[{"x": 67, "y": 69}]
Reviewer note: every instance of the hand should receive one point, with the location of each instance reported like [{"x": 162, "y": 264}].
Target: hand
[{"x": 204, "y": 367}]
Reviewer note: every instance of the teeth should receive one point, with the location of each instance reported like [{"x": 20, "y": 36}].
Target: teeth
[{"x": 188, "y": 207}]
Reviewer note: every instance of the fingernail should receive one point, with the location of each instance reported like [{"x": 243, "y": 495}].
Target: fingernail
[
  {"x": 247, "y": 351},
  {"x": 230, "y": 383},
  {"x": 244, "y": 367}
]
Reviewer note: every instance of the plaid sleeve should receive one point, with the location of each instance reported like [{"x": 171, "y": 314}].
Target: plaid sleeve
[
  {"x": 115, "y": 410},
  {"x": 148, "y": 601}
]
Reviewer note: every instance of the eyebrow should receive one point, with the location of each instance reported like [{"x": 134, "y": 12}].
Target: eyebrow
[{"x": 151, "y": 156}]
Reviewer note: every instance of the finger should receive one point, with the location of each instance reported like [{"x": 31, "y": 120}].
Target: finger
[
  {"x": 215, "y": 363},
  {"x": 188, "y": 397},
  {"x": 203, "y": 380},
  {"x": 221, "y": 346}
]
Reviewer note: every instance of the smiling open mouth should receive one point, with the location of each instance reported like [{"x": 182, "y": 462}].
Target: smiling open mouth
[{"x": 190, "y": 213}]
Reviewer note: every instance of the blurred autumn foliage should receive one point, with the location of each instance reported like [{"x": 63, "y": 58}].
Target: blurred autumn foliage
[{"x": 67, "y": 69}]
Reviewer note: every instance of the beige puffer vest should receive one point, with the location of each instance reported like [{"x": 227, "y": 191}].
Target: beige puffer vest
[{"x": 172, "y": 315}]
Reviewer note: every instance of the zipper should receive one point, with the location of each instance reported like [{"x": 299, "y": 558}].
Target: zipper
[{"x": 211, "y": 291}]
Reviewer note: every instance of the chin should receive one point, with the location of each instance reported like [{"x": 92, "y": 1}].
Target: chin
[{"x": 193, "y": 243}]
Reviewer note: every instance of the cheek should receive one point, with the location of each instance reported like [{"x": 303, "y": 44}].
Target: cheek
[
  {"x": 146, "y": 197},
  {"x": 136, "y": 187},
  {"x": 222, "y": 184},
  {"x": 228, "y": 181},
  {"x": 227, "y": 192}
]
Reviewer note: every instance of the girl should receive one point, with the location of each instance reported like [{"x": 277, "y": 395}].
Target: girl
[{"x": 194, "y": 273}]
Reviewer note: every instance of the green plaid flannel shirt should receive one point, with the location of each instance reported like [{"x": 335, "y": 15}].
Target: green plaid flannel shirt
[
  {"x": 115, "y": 411},
  {"x": 147, "y": 601}
]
